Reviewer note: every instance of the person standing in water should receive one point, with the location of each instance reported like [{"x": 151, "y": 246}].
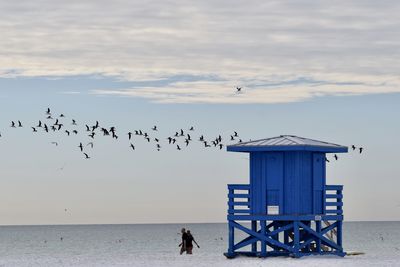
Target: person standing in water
[
  {"x": 183, "y": 245},
  {"x": 189, "y": 244}
]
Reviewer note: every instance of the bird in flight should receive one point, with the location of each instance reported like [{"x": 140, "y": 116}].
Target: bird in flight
[
  {"x": 90, "y": 144},
  {"x": 238, "y": 89},
  {"x": 12, "y": 124},
  {"x": 34, "y": 129},
  {"x": 54, "y": 143},
  {"x": 81, "y": 146},
  {"x": 154, "y": 128},
  {"x": 132, "y": 146},
  {"x": 86, "y": 156},
  {"x": 191, "y": 128},
  {"x": 360, "y": 149},
  {"x": 336, "y": 157},
  {"x": 353, "y": 147}
]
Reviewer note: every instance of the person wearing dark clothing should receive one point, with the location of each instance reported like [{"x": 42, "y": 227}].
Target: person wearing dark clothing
[
  {"x": 189, "y": 242},
  {"x": 183, "y": 245}
]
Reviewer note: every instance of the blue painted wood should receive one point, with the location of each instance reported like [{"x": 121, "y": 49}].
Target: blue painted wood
[
  {"x": 286, "y": 148},
  {"x": 256, "y": 217},
  {"x": 231, "y": 238},
  {"x": 289, "y": 176},
  {"x": 254, "y": 229},
  {"x": 263, "y": 242}
]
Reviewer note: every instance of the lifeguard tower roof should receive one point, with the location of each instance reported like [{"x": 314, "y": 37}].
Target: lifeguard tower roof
[{"x": 287, "y": 143}]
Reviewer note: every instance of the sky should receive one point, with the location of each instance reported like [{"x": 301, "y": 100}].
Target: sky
[{"x": 327, "y": 70}]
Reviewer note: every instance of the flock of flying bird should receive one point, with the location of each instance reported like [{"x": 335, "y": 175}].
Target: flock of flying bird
[
  {"x": 180, "y": 139},
  {"x": 55, "y": 124}
]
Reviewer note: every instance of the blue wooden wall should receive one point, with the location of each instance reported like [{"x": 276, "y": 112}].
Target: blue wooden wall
[{"x": 292, "y": 180}]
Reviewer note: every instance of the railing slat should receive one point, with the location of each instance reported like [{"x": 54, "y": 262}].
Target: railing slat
[
  {"x": 333, "y": 204},
  {"x": 338, "y": 212},
  {"x": 241, "y": 203},
  {"x": 238, "y": 211},
  {"x": 333, "y": 187},
  {"x": 333, "y": 196},
  {"x": 233, "y": 195}
]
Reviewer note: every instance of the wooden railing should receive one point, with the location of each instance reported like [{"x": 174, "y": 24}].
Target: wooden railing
[
  {"x": 239, "y": 199},
  {"x": 333, "y": 202}
]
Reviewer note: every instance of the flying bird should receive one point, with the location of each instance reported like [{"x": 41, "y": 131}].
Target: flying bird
[
  {"x": 238, "y": 89},
  {"x": 19, "y": 124},
  {"x": 34, "y": 129},
  {"x": 90, "y": 144},
  {"x": 86, "y": 156},
  {"x": 73, "y": 122},
  {"x": 55, "y": 143},
  {"x": 132, "y": 146},
  {"x": 191, "y": 128},
  {"x": 353, "y": 147},
  {"x": 81, "y": 146},
  {"x": 154, "y": 128},
  {"x": 12, "y": 124},
  {"x": 361, "y": 149},
  {"x": 129, "y": 135},
  {"x": 336, "y": 157}
]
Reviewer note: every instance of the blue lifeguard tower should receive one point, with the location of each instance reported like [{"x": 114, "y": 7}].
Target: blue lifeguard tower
[{"x": 287, "y": 209}]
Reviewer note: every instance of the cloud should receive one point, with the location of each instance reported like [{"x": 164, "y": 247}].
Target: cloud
[
  {"x": 241, "y": 42},
  {"x": 267, "y": 92}
]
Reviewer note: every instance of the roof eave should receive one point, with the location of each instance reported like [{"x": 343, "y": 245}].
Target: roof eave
[{"x": 240, "y": 148}]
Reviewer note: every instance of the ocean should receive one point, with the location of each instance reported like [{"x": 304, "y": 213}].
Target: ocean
[{"x": 157, "y": 245}]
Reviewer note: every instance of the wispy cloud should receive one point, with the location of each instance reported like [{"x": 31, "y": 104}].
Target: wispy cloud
[
  {"x": 224, "y": 92},
  {"x": 240, "y": 42}
]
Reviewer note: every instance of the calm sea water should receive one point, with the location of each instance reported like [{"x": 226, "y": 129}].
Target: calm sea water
[{"x": 157, "y": 245}]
